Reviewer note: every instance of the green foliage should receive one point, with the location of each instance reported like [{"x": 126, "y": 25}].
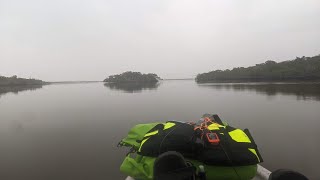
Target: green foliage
[
  {"x": 14, "y": 80},
  {"x": 132, "y": 77},
  {"x": 304, "y": 68}
]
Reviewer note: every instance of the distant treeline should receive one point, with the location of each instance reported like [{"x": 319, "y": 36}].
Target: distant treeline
[
  {"x": 129, "y": 77},
  {"x": 301, "y": 68},
  {"x": 14, "y": 80}
]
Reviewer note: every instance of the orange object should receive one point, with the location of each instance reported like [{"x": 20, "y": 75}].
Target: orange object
[{"x": 213, "y": 138}]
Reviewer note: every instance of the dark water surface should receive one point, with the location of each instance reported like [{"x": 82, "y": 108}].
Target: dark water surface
[{"x": 70, "y": 131}]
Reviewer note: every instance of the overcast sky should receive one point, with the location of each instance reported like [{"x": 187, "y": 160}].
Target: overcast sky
[{"x": 91, "y": 39}]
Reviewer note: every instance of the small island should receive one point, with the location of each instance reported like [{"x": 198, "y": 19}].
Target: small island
[
  {"x": 15, "y": 81},
  {"x": 133, "y": 77},
  {"x": 301, "y": 68}
]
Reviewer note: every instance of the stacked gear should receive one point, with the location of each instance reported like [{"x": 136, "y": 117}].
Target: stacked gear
[{"x": 225, "y": 151}]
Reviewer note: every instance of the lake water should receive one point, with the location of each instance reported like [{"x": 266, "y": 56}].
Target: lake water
[{"x": 70, "y": 131}]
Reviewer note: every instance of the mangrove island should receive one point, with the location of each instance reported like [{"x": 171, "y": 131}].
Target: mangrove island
[
  {"x": 301, "y": 68},
  {"x": 133, "y": 77},
  {"x": 15, "y": 81}
]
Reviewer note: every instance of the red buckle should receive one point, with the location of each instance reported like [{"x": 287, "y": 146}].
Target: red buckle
[{"x": 213, "y": 138}]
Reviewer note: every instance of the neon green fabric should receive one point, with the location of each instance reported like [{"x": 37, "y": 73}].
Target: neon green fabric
[
  {"x": 239, "y": 136},
  {"x": 141, "y": 167},
  {"x": 137, "y": 133},
  {"x": 168, "y": 125}
]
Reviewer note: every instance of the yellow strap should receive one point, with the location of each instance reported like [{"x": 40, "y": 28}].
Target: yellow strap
[
  {"x": 143, "y": 141},
  {"x": 168, "y": 125},
  {"x": 215, "y": 126},
  {"x": 255, "y": 153},
  {"x": 239, "y": 136},
  {"x": 151, "y": 133}
]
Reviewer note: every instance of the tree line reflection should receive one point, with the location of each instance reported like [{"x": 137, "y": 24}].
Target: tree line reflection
[
  {"x": 133, "y": 87},
  {"x": 303, "y": 91},
  {"x": 17, "y": 89}
]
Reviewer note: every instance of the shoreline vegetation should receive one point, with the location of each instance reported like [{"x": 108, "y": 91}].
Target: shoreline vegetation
[
  {"x": 299, "y": 69},
  {"x": 16, "y": 81},
  {"x": 133, "y": 77}
]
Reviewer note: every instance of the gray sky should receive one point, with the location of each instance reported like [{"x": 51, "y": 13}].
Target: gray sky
[{"x": 91, "y": 39}]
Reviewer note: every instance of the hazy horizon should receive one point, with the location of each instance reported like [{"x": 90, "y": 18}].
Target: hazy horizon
[{"x": 90, "y": 40}]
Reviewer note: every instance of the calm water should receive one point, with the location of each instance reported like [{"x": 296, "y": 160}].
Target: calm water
[{"x": 70, "y": 131}]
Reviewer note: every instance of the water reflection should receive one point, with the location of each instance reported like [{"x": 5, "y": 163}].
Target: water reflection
[
  {"x": 17, "y": 89},
  {"x": 132, "y": 87},
  {"x": 71, "y": 131},
  {"x": 303, "y": 91}
]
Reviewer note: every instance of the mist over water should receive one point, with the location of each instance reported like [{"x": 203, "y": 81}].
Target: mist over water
[{"x": 70, "y": 131}]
